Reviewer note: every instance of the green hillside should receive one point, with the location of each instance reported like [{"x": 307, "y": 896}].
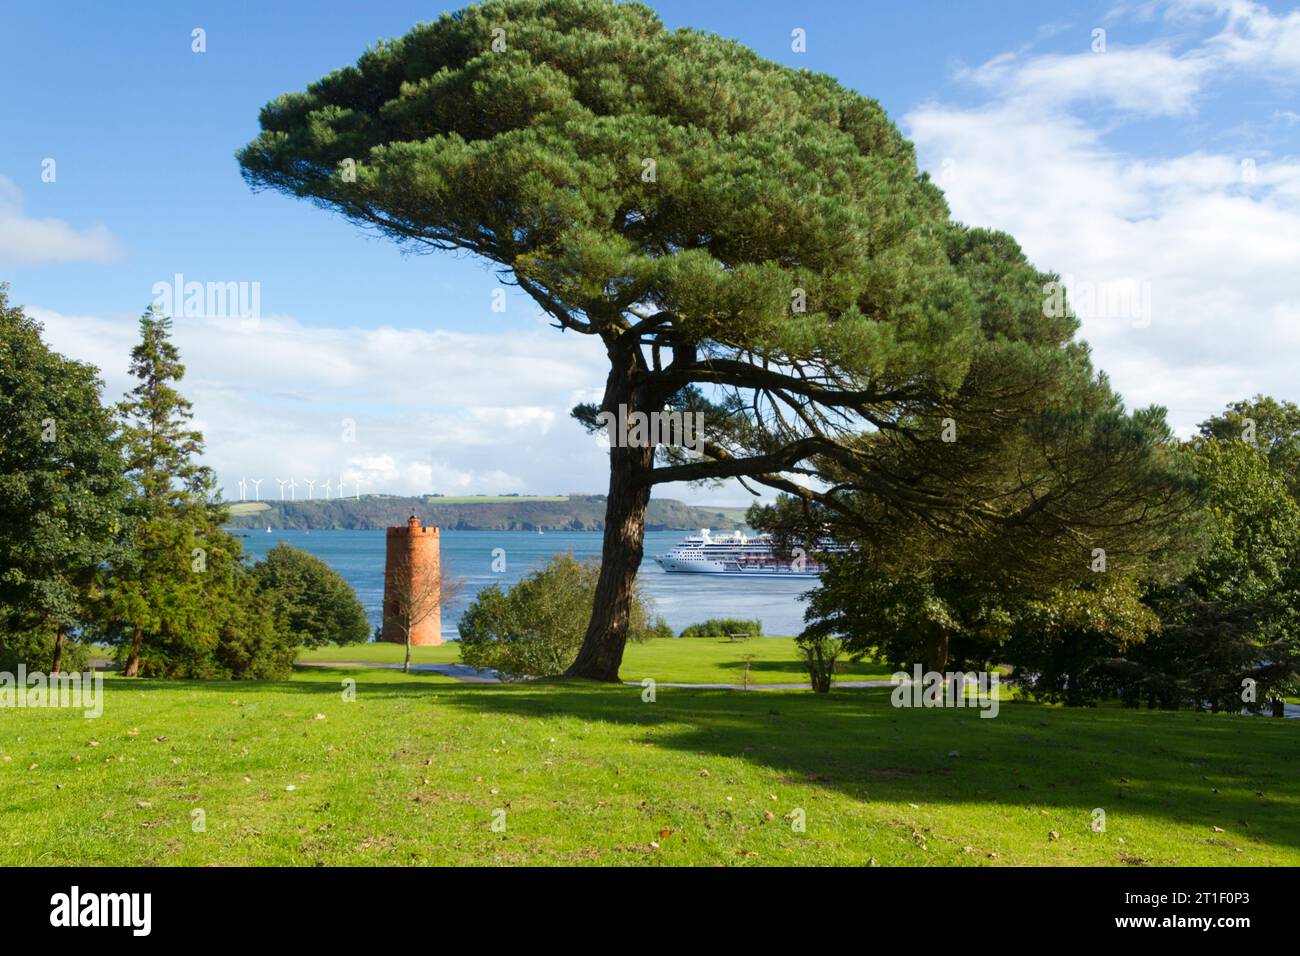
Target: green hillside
[{"x": 472, "y": 513}]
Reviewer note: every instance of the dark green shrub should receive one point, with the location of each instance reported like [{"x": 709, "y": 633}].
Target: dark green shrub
[
  {"x": 313, "y": 604},
  {"x": 536, "y": 628},
  {"x": 724, "y": 627}
]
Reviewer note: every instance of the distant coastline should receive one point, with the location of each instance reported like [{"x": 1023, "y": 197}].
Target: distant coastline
[{"x": 472, "y": 513}]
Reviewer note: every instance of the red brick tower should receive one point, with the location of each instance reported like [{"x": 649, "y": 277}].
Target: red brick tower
[{"x": 414, "y": 555}]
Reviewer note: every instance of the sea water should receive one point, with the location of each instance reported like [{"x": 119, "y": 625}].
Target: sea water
[{"x": 682, "y": 599}]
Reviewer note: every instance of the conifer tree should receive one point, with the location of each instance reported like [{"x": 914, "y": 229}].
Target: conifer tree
[
  {"x": 745, "y": 240},
  {"x": 169, "y": 592}
]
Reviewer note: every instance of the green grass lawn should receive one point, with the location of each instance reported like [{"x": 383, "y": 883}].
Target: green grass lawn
[
  {"x": 695, "y": 660},
  {"x": 381, "y": 652},
  {"x": 413, "y": 770}
]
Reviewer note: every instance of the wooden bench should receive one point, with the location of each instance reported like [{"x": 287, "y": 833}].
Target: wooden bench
[{"x": 738, "y": 637}]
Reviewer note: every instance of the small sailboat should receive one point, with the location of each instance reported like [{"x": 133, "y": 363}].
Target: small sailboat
[{"x": 268, "y": 529}]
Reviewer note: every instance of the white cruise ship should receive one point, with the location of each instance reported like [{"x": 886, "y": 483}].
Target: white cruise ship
[{"x": 736, "y": 554}]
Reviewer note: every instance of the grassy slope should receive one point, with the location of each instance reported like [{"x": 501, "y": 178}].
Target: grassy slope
[
  {"x": 688, "y": 660},
  {"x": 412, "y": 771},
  {"x": 466, "y": 512}
]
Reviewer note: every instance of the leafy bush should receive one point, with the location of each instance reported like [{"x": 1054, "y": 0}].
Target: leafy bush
[
  {"x": 724, "y": 627},
  {"x": 252, "y": 644},
  {"x": 313, "y": 604},
  {"x": 658, "y": 630},
  {"x": 536, "y": 628},
  {"x": 1076, "y": 645},
  {"x": 820, "y": 652}
]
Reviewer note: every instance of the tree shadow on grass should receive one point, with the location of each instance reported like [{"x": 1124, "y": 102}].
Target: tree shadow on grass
[
  {"x": 1199, "y": 770},
  {"x": 370, "y": 681},
  {"x": 796, "y": 671}
]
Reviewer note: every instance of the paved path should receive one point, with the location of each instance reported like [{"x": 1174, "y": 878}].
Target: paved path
[
  {"x": 838, "y": 683},
  {"x": 466, "y": 673},
  {"x": 459, "y": 671}
]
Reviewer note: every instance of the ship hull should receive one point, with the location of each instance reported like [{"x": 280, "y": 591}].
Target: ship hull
[
  {"x": 782, "y": 575},
  {"x": 680, "y": 566},
  {"x": 736, "y": 556}
]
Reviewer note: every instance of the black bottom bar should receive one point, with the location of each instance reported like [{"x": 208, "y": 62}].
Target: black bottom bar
[{"x": 301, "y": 905}]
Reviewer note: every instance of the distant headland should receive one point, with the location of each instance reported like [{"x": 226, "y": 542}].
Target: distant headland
[{"x": 572, "y": 512}]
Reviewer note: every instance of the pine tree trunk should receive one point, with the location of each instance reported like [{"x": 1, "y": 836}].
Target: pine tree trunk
[
  {"x": 629, "y": 493},
  {"x": 602, "y": 648},
  {"x": 132, "y": 667},
  {"x": 57, "y": 667}
]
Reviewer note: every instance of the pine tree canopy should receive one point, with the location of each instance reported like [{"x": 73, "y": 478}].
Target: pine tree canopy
[{"x": 749, "y": 241}]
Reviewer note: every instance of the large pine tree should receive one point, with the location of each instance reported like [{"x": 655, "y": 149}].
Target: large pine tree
[{"x": 744, "y": 239}]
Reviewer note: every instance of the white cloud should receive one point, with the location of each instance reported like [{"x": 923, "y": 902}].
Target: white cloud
[
  {"x": 1214, "y": 238},
  {"x": 402, "y": 410},
  {"x": 1161, "y": 78},
  {"x": 29, "y": 241},
  {"x": 1149, "y": 80},
  {"x": 1252, "y": 36}
]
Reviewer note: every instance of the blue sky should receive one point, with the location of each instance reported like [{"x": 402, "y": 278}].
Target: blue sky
[{"x": 1166, "y": 164}]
